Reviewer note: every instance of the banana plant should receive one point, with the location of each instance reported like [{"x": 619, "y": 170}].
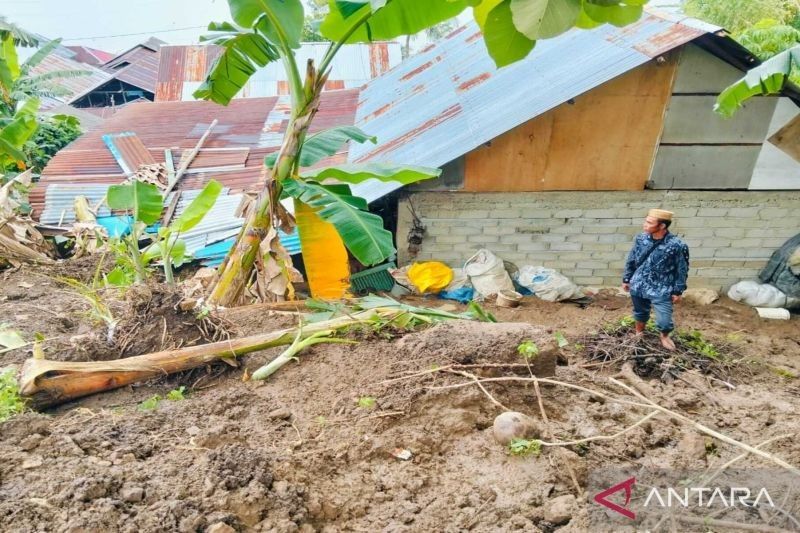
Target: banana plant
[
  {"x": 267, "y": 31},
  {"x": 145, "y": 202},
  {"x": 770, "y": 77},
  {"x": 17, "y": 119}
]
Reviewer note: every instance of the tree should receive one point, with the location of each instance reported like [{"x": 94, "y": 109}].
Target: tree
[
  {"x": 432, "y": 34},
  {"x": 265, "y": 31},
  {"x": 737, "y": 16},
  {"x": 53, "y": 134}
]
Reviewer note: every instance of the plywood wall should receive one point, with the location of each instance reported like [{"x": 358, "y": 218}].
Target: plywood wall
[{"x": 605, "y": 140}]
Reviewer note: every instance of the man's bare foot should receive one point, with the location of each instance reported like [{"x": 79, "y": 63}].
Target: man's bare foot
[
  {"x": 639, "y": 329},
  {"x": 667, "y": 343}
]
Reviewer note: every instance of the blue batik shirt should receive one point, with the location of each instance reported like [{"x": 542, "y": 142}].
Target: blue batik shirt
[{"x": 664, "y": 271}]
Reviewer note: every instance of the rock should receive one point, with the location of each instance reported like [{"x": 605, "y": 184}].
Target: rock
[
  {"x": 559, "y": 510},
  {"x": 693, "y": 446},
  {"x": 132, "y": 494},
  {"x": 701, "y": 296},
  {"x": 280, "y": 414},
  {"x": 30, "y": 442},
  {"x": 193, "y": 431},
  {"x": 220, "y": 527},
  {"x": 32, "y": 462},
  {"x": 512, "y": 425}
]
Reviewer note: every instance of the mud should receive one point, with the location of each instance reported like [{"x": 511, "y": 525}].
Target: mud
[{"x": 304, "y": 451}]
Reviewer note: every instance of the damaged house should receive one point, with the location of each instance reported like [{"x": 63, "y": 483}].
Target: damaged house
[{"x": 550, "y": 161}]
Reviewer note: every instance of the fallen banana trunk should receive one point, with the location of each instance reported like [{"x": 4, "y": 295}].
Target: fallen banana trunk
[{"x": 46, "y": 383}]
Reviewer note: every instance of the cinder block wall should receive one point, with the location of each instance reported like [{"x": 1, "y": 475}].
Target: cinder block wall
[{"x": 586, "y": 235}]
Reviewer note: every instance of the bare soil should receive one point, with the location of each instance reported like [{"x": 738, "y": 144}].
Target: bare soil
[{"x": 300, "y": 452}]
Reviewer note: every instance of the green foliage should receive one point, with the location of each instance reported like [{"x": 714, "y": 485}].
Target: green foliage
[
  {"x": 356, "y": 173},
  {"x": 477, "y": 312},
  {"x": 767, "y": 78},
  {"x": 52, "y": 135},
  {"x": 525, "y": 447},
  {"x": 362, "y": 232},
  {"x": 10, "y": 402},
  {"x": 782, "y": 372},
  {"x": 145, "y": 203},
  {"x": 366, "y": 402},
  {"x": 178, "y": 394},
  {"x": 561, "y": 340},
  {"x": 625, "y": 322},
  {"x": 738, "y": 16},
  {"x": 98, "y": 310},
  {"x": 694, "y": 340},
  {"x": 151, "y": 403},
  {"x": 769, "y": 38},
  {"x": 528, "y": 350},
  {"x": 325, "y": 144}
]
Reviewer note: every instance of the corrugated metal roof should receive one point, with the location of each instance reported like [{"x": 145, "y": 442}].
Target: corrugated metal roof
[
  {"x": 182, "y": 68},
  {"x": 450, "y": 99},
  {"x": 61, "y": 198},
  {"x": 180, "y": 124},
  {"x": 76, "y": 85}
]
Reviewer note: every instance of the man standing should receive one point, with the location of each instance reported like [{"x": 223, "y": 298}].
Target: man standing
[{"x": 655, "y": 273}]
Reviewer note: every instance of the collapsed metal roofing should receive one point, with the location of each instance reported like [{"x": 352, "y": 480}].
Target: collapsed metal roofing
[{"x": 450, "y": 99}]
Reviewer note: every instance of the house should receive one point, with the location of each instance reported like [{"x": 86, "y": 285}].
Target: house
[
  {"x": 90, "y": 56},
  {"x": 183, "y": 68},
  {"x": 247, "y": 130},
  {"x": 550, "y": 161},
  {"x": 555, "y": 159},
  {"x": 131, "y": 76}
]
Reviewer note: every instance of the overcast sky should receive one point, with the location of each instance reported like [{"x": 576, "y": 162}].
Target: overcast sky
[{"x": 92, "y": 22}]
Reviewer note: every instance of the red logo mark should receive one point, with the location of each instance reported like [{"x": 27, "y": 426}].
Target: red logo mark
[{"x": 627, "y": 486}]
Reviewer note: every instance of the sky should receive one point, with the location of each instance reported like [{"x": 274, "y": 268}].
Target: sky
[
  {"x": 108, "y": 25},
  {"x": 93, "y": 22}
]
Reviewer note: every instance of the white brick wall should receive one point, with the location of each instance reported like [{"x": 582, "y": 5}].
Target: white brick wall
[{"x": 587, "y": 235}]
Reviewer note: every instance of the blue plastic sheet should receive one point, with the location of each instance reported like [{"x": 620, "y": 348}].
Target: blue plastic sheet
[
  {"x": 117, "y": 226},
  {"x": 463, "y": 295}
]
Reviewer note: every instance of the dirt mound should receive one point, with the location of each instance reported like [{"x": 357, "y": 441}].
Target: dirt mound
[{"x": 375, "y": 436}]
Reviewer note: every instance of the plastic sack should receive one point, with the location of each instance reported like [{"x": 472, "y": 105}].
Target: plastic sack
[
  {"x": 460, "y": 280},
  {"x": 548, "y": 284},
  {"x": 430, "y": 277},
  {"x": 757, "y": 294},
  {"x": 487, "y": 274}
]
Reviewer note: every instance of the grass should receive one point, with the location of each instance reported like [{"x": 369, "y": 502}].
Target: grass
[
  {"x": 524, "y": 447},
  {"x": 178, "y": 394},
  {"x": 694, "y": 340},
  {"x": 528, "y": 350},
  {"x": 366, "y": 402},
  {"x": 154, "y": 401},
  {"x": 10, "y": 402}
]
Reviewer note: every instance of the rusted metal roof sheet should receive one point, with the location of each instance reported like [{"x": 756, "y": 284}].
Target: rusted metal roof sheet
[
  {"x": 128, "y": 151},
  {"x": 90, "y": 56},
  {"x": 450, "y": 99},
  {"x": 246, "y": 124},
  {"x": 183, "y": 68},
  {"x": 75, "y": 85}
]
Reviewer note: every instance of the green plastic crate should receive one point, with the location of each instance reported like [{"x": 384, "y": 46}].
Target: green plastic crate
[{"x": 372, "y": 280}]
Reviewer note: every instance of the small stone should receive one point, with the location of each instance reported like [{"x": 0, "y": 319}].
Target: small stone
[
  {"x": 693, "y": 446},
  {"x": 132, "y": 494},
  {"x": 559, "y": 510},
  {"x": 701, "y": 296},
  {"x": 512, "y": 425},
  {"x": 30, "y": 442},
  {"x": 32, "y": 462},
  {"x": 193, "y": 431},
  {"x": 220, "y": 527},
  {"x": 280, "y": 414}
]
